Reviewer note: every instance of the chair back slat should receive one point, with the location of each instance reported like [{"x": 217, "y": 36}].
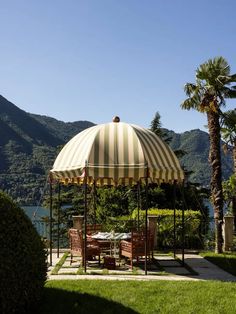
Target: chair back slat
[{"x": 91, "y": 229}]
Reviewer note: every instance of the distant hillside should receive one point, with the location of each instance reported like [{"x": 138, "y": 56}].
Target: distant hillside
[
  {"x": 19, "y": 126},
  {"x": 196, "y": 145},
  {"x": 29, "y": 144},
  {"x": 63, "y": 130}
]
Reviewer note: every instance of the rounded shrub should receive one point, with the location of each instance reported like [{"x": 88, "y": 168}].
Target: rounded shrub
[{"x": 23, "y": 266}]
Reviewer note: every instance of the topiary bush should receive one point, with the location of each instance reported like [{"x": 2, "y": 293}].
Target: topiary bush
[{"x": 23, "y": 266}]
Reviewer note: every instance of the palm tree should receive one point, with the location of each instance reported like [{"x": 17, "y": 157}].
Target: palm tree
[
  {"x": 228, "y": 131},
  {"x": 208, "y": 95}
]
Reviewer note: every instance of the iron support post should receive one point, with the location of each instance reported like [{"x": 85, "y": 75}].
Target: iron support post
[
  {"x": 85, "y": 220},
  {"x": 58, "y": 219},
  {"x": 174, "y": 219},
  {"x": 146, "y": 231},
  {"x": 50, "y": 226},
  {"x": 183, "y": 225}
]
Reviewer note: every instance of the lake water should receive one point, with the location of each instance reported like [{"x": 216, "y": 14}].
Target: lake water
[
  {"x": 35, "y": 213},
  {"x": 211, "y": 210}
]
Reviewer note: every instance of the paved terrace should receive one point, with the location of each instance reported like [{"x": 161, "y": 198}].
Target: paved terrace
[{"x": 165, "y": 267}]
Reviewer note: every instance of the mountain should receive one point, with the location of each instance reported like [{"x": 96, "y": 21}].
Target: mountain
[
  {"x": 63, "y": 130},
  {"x": 29, "y": 144},
  {"x": 19, "y": 126},
  {"x": 196, "y": 145}
]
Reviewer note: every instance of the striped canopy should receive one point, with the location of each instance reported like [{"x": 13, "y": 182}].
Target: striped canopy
[{"x": 116, "y": 153}]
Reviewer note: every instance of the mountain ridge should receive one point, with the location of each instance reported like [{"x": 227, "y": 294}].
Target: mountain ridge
[{"x": 64, "y": 130}]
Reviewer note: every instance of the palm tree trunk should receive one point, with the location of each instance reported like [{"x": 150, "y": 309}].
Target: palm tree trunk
[
  {"x": 216, "y": 176},
  {"x": 234, "y": 198}
]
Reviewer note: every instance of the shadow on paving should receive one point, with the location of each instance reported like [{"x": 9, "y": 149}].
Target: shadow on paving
[
  {"x": 207, "y": 270},
  {"x": 60, "y": 302}
]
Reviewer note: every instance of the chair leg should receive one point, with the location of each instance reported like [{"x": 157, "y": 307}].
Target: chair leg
[{"x": 71, "y": 258}]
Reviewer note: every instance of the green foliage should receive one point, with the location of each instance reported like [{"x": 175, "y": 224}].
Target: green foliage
[
  {"x": 25, "y": 177},
  {"x": 22, "y": 260},
  {"x": 112, "y": 202},
  {"x": 229, "y": 190},
  {"x": 228, "y": 129},
  {"x": 168, "y": 213},
  {"x": 120, "y": 224},
  {"x": 212, "y": 86},
  {"x": 156, "y": 125}
]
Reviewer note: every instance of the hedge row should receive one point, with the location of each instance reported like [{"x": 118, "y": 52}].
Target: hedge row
[{"x": 168, "y": 213}]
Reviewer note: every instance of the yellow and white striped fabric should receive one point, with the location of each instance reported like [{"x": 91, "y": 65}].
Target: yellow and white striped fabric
[{"x": 116, "y": 153}]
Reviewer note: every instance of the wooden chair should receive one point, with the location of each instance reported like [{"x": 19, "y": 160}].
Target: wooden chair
[
  {"x": 77, "y": 246},
  {"x": 104, "y": 245},
  {"x": 135, "y": 248},
  {"x": 93, "y": 228}
]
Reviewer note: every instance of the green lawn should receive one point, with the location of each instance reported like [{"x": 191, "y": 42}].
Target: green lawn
[
  {"x": 226, "y": 261},
  {"x": 127, "y": 297}
]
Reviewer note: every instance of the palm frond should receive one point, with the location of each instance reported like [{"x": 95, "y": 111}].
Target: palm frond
[
  {"x": 192, "y": 103},
  {"x": 221, "y": 98},
  {"x": 229, "y": 118},
  {"x": 229, "y": 126},
  {"x": 229, "y": 93},
  {"x": 212, "y": 86},
  {"x": 212, "y": 69},
  {"x": 233, "y": 78},
  {"x": 190, "y": 89},
  {"x": 226, "y": 80},
  {"x": 188, "y": 104}
]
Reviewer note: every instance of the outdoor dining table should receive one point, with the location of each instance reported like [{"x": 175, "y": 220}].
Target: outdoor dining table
[{"x": 114, "y": 238}]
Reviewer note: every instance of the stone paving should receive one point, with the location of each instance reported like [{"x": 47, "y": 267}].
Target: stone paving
[
  {"x": 164, "y": 268},
  {"x": 207, "y": 270}
]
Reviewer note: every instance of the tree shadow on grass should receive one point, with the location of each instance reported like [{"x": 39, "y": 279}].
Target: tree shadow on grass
[{"x": 56, "y": 301}]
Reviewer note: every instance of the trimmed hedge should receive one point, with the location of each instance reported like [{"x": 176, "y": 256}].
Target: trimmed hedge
[
  {"x": 168, "y": 213},
  {"x": 165, "y": 227},
  {"x": 23, "y": 266}
]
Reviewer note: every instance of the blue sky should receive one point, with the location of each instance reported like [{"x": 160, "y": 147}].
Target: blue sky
[{"x": 93, "y": 59}]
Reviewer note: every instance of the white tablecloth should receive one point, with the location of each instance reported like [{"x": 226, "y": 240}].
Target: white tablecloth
[{"x": 111, "y": 236}]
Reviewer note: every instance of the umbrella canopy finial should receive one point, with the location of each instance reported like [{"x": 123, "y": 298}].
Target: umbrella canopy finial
[{"x": 116, "y": 119}]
